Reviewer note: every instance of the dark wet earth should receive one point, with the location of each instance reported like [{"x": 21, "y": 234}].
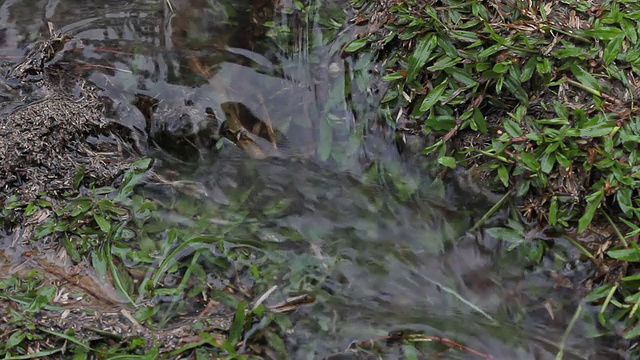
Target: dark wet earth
[{"x": 381, "y": 244}]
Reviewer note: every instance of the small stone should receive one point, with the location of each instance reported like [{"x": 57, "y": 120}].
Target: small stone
[{"x": 334, "y": 69}]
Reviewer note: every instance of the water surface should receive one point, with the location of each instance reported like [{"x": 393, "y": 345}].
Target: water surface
[{"x": 381, "y": 244}]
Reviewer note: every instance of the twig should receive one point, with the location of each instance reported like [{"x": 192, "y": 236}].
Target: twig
[
  {"x": 400, "y": 336},
  {"x": 264, "y": 297}
]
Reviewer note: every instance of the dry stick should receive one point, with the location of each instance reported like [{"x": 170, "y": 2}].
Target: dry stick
[
  {"x": 592, "y": 91},
  {"x": 264, "y": 297},
  {"x": 71, "y": 280},
  {"x": 453, "y": 344},
  {"x": 416, "y": 338}
]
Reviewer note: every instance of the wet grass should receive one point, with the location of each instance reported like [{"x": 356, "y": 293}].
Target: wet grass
[
  {"x": 140, "y": 285},
  {"x": 544, "y": 110},
  {"x": 541, "y": 101},
  {"x": 112, "y": 272}
]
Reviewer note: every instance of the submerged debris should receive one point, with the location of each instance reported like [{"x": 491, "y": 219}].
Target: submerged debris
[{"x": 44, "y": 142}]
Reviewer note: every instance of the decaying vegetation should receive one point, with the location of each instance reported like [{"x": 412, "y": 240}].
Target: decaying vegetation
[{"x": 51, "y": 138}]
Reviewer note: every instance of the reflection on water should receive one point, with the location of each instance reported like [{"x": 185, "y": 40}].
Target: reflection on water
[{"x": 385, "y": 247}]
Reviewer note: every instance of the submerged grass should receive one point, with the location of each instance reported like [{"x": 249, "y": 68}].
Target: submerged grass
[
  {"x": 142, "y": 272},
  {"x": 539, "y": 99}
]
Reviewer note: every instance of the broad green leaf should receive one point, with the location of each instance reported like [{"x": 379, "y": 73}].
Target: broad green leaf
[
  {"x": 501, "y": 67},
  {"x": 603, "y": 32},
  {"x": 632, "y": 255},
  {"x": 393, "y": 76},
  {"x": 624, "y": 196},
  {"x": 635, "y": 277},
  {"x": 483, "y": 66},
  {"x": 447, "y": 161},
  {"x": 103, "y": 223},
  {"x": 45, "y": 229},
  {"x": 534, "y": 251},
  {"x": 275, "y": 342},
  {"x": 494, "y": 35},
  {"x": 561, "y": 110},
  {"x": 528, "y": 70},
  {"x": 44, "y": 295},
  {"x": 523, "y": 187},
  {"x": 553, "y": 211},
  {"x": 563, "y": 161},
  {"x": 237, "y": 326},
  {"x": 421, "y": 55},
  {"x": 444, "y": 62},
  {"x": 356, "y": 45},
  {"x": 503, "y": 175},
  {"x": 634, "y": 333},
  {"x": 77, "y": 179},
  {"x": 326, "y": 140},
  {"x": 593, "y": 202},
  {"x": 31, "y": 209},
  {"x": 433, "y": 96},
  {"x": 490, "y": 74},
  {"x": 81, "y": 208},
  {"x": 479, "y": 120},
  {"x": 15, "y": 339},
  {"x": 535, "y": 137},
  {"x": 612, "y": 49},
  {"x": 73, "y": 252},
  {"x": 552, "y": 147},
  {"x": 428, "y": 150},
  {"x": 512, "y": 128},
  {"x": 630, "y": 30},
  {"x": 599, "y": 293},
  {"x": 132, "y": 177},
  {"x": 466, "y": 36},
  {"x": 513, "y": 85},
  {"x": 391, "y": 94},
  {"x": 449, "y": 48},
  {"x": 499, "y": 83},
  {"x": 529, "y": 161},
  {"x": 409, "y": 351},
  {"x": 462, "y": 75},
  {"x": 585, "y": 78},
  {"x": 568, "y": 52},
  {"x": 521, "y": 111},
  {"x": 505, "y": 234},
  {"x": 543, "y": 65},
  {"x": 596, "y": 131},
  {"x": 546, "y": 162}
]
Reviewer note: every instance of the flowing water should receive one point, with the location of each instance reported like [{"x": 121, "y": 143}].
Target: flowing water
[{"x": 381, "y": 244}]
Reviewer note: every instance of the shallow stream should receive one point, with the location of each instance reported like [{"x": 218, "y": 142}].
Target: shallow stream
[{"x": 381, "y": 244}]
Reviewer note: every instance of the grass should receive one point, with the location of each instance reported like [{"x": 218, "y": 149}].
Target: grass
[
  {"x": 122, "y": 239},
  {"x": 542, "y": 100},
  {"x": 544, "y": 108}
]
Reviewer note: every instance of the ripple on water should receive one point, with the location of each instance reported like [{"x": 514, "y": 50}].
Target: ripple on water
[{"x": 376, "y": 260}]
